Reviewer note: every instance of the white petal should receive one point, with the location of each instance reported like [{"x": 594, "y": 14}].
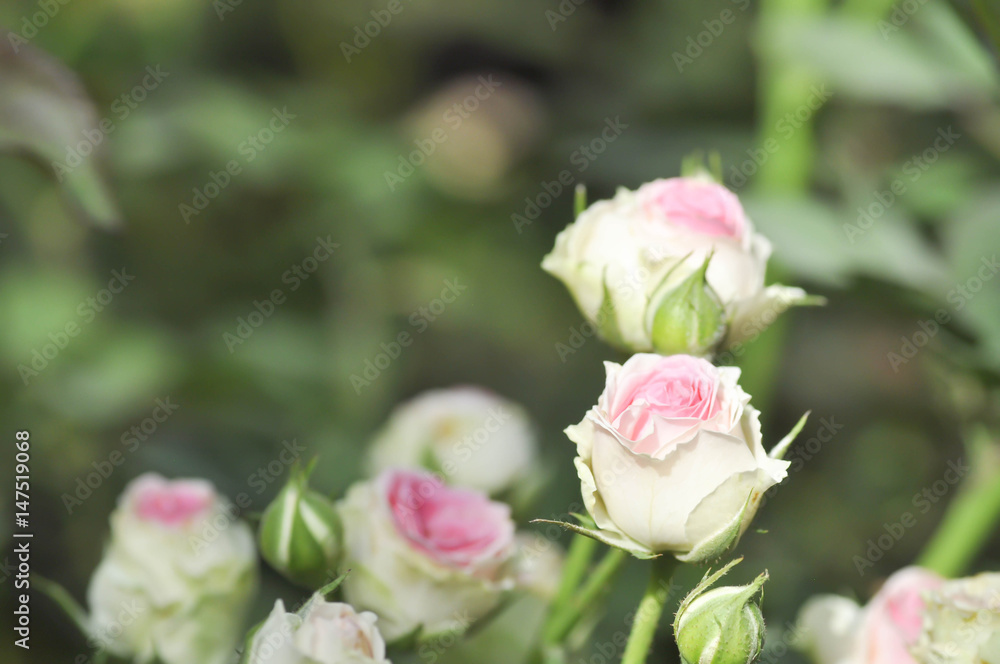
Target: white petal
[
  {"x": 650, "y": 500},
  {"x": 753, "y": 315}
]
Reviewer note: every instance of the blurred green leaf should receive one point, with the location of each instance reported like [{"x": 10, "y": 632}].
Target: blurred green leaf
[
  {"x": 973, "y": 247},
  {"x": 885, "y": 63},
  {"x": 43, "y": 112},
  {"x": 814, "y": 240}
]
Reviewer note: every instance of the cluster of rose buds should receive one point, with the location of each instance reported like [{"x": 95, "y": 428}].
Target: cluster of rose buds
[
  {"x": 428, "y": 551},
  {"x": 671, "y": 459},
  {"x": 671, "y": 463}
]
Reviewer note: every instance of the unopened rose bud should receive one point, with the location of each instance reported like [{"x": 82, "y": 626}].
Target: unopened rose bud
[
  {"x": 617, "y": 255},
  {"x": 300, "y": 533},
  {"x": 321, "y": 633},
  {"x": 423, "y": 555},
  {"x": 721, "y": 626},
  {"x": 689, "y": 317}
]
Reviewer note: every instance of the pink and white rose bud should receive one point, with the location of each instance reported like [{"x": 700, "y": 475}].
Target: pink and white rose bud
[
  {"x": 962, "y": 622},
  {"x": 622, "y": 259},
  {"x": 670, "y": 459},
  {"x": 321, "y": 633},
  {"x": 835, "y": 630},
  {"x": 164, "y": 590},
  {"x": 471, "y": 436},
  {"x": 425, "y": 555}
]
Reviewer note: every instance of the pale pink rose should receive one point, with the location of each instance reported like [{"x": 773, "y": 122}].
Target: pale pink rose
[
  {"x": 671, "y": 454},
  {"x": 456, "y": 527},
  {"x": 835, "y": 630},
  {"x": 698, "y": 205},
  {"x": 184, "y": 563},
  {"x": 893, "y": 619},
  {"x": 625, "y": 259},
  {"x": 423, "y": 553}
]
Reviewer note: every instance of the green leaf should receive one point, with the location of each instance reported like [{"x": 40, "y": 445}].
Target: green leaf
[
  {"x": 43, "y": 111},
  {"x": 876, "y": 63}
]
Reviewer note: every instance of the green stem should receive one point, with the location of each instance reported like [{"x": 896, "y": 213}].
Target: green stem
[
  {"x": 647, "y": 617},
  {"x": 581, "y": 550},
  {"x": 972, "y": 516},
  {"x": 784, "y": 87},
  {"x": 564, "y": 621}
]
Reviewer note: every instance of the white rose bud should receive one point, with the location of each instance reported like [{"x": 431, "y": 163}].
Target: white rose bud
[
  {"x": 471, "y": 436},
  {"x": 424, "y": 555},
  {"x": 176, "y": 577},
  {"x": 300, "y": 533},
  {"x": 622, "y": 258},
  {"x": 962, "y": 622},
  {"x": 720, "y": 626},
  {"x": 670, "y": 459},
  {"x": 321, "y": 633}
]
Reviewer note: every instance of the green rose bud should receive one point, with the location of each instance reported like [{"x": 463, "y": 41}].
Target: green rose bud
[
  {"x": 689, "y": 318},
  {"x": 300, "y": 533},
  {"x": 720, "y": 626}
]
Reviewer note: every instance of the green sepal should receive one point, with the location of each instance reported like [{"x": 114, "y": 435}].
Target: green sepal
[
  {"x": 601, "y": 536},
  {"x": 779, "y": 450}
]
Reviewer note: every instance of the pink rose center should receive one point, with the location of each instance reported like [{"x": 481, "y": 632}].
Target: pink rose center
[
  {"x": 675, "y": 387},
  {"x": 455, "y": 527},
  {"x": 172, "y": 504},
  {"x": 703, "y": 207}
]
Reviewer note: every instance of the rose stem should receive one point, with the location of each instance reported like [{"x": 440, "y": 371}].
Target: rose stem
[
  {"x": 972, "y": 515},
  {"x": 647, "y": 617},
  {"x": 564, "y": 621},
  {"x": 581, "y": 550}
]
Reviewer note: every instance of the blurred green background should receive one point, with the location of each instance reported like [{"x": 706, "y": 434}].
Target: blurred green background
[{"x": 816, "y": 109}]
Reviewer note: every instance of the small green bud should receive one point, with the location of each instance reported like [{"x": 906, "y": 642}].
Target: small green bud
[
  {"x": 689, "y": 318},
  {"x": 300, "y": 533},
  {"x": 721, "y": 626}
]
